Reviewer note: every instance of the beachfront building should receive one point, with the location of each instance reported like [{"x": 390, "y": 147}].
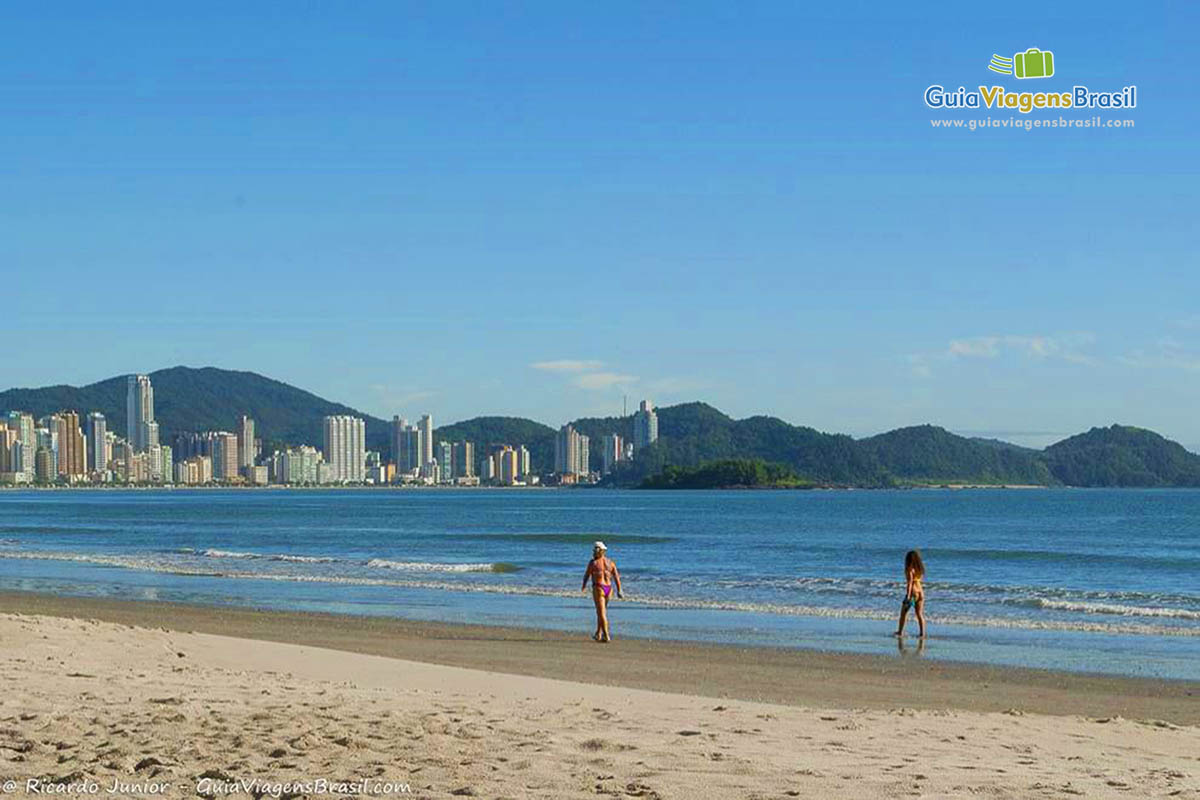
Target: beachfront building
[
  {"x": 26, "y": 449},
  {"x": 194, "y": 471},
  {"x": 97, "y": 443},
  {"x": 44, "y": 471},
  {"x": 141, "y": 430},
  {"x": 247, "y": 451},
  {"x": 612, "y": 452},
  {"x": 645, "y": 426},
  {"x": 406, "y": 447},
  {"x": 571, "y": 455},
  {"x": 223, "y": 449},
  {"x": 72, "y": 447},
  {"x": 426, "y": 428},
  {"x": 445, "y": 459},
  {"x": 462, "y": 459},
  {"x": 346, "y": 449},
  {"x": 298, "y": 465}
]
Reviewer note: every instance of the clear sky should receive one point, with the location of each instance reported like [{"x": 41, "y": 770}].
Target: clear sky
[{"x": 536, "y": 209}]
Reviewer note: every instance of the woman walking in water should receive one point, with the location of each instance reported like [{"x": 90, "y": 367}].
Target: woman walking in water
[
  {"x": 602, "y": 572},
  {"x": 914, "y": 591}
]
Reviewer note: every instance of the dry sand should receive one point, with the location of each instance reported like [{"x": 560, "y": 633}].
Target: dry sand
[{"x": 93, "y": 700}]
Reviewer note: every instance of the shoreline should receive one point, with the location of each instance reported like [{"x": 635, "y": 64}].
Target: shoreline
[{"x": 782, "y": 676}]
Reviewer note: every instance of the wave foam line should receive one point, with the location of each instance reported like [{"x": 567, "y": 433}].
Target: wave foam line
[{"x": 433, "y": 566}]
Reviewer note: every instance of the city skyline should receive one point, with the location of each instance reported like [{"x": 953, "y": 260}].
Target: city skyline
[
  {"x": 683, "y": 208},
  {"x": 61, "y": 448}
]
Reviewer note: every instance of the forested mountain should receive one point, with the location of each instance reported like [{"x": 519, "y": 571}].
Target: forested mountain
[{"x": 1122, "y": 455}]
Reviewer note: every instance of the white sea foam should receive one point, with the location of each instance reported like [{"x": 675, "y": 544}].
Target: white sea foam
[
  {"x": 1119, "y": 610},
  {"x": 214, "y": 553},
  {"x": 433, "y": 566}
]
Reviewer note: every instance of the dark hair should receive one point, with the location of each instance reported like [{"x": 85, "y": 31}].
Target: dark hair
[{"x": 912, "y": 560}]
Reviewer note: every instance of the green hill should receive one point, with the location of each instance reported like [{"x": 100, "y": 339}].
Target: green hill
[
  {"x": 1122, "y": 455},
  {"x": 929, "y": 454}
]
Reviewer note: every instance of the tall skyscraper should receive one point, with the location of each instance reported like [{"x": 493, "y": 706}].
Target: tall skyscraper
[
  {"x": 645, "y": 426},
  {"x": 463, "y": 459},
  {"x": 409, "y": 460},
  {"x": 426, "y": 427},
  {"x": 247, "y": 453},
  {"x": 139, "y": 413},
  {"x": 10, "y": 451},
  {"x": 225, "y": 459},
  {"x": 47, "y": 437},
  {"x": 22, "y": 423},
  {"x": 612, "y": 451},
  {"x": 346, "y": 448},
  {"x": 72, "y": 447},
  {"x": 97, "y": 439},
  {"x": 399, "y": 424},
  {"x": 445, "y": 459},
  {"x": 571, "y": 452}
]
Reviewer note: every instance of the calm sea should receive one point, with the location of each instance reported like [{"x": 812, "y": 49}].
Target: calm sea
[{"x": 1086, "y": 580}]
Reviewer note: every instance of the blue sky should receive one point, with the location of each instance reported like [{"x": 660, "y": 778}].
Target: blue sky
[{"x": 536, "y": 209}]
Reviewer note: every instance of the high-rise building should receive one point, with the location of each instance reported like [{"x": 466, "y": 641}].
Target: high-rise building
[
  {"x": 300, "y": 465},
  {"x": 506, "y": 465},
  {"x": 10, "y": 451},
  {"x": 523, "y": 464},
  {"x": 141, "y": 429},
  {"x": 186, "y": 445},
  {"x": 346, "y": 448},
  {"x": 645, "y": 426},
  {"x": 46, "y": 435},
  {"x": 247, "y": 453},
  {"x": 612, "y": 451},
  {"x": 571, "y": 455},
  {"x": 463, "y": 459},
  {"x": 426, "y": 426},
  {"x": 445, "y": 459},
  {"x": 97, "y": 442},
  {"x": 25, "y": 429},
  {"x": 408, "y": 459},
  {"x": 44, "y": 471},
  {"x": 72, "y": 447},
  {"x": 399, "y": 423},
  {"x": 224, "y": 449}
]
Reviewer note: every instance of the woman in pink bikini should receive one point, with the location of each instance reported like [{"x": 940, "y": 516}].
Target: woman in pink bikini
[{"x": 602, "y": 572}]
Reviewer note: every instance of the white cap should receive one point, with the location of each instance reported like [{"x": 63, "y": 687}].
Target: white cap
[{"x": 598, "y": 545}]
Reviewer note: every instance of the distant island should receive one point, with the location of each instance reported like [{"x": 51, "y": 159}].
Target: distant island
[
  {"x": 729, "y": 474},
  {"x": 697, "y": 443}
]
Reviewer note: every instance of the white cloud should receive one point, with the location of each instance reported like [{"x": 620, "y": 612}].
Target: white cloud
[
  {"x": 603, "y": 380},
  {"x": 567, "y": 365},
  {"x": 1067, "y": 347}
]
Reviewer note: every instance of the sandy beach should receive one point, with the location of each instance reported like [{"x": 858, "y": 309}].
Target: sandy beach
[{"x": 141, "y": 699}]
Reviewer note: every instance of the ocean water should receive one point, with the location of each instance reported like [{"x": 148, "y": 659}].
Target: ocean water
[{"x": 1082, "y": 580}]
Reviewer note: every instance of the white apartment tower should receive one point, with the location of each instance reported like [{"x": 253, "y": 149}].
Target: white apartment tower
[
  {"x": 571, "y": 452},
  {"x": 645, "y": 426},
  {"x": 139, "y": 414},
  {"x": 246, "y": 449},
  {"x": 97, "y": 442},
  {"x": 426, "y": 428},
  {"x": 346, "y": 448}
]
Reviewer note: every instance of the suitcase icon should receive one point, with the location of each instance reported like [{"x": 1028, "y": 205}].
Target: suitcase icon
[{"x": 1034, "y": 63}]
